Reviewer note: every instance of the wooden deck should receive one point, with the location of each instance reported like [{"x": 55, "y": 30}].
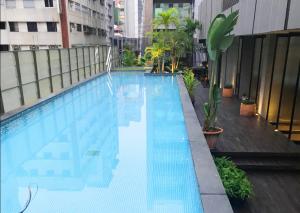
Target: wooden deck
[
  {"x": 271, "y": 161},
  {"x": 246, "y": 135}
]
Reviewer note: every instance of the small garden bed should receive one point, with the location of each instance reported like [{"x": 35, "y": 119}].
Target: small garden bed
[{"x": 235, "y": 181}]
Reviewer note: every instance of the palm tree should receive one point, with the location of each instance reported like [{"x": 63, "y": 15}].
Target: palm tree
[
  {"x": 190, "y": 28},
  {"x": 177, "y": 45},
  {"x": 166, "y": 18},
  {"x": 156, "y": 51}
]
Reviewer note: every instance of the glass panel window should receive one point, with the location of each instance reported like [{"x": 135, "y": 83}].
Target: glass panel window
[
  {"x": 28, "y": 3},
  {"x": 51, "y": 27},
  {"x": 13, "y": 27},
  {"x": 79, "y": 28},
  {"x": 48, "y": 3},
  {"x": 10, "y": 3},
  {"x": 2, "y": 25},
  {"x": 32, "y": 26}
]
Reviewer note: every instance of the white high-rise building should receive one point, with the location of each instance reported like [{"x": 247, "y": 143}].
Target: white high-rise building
[{"x": 32, "y": 24}]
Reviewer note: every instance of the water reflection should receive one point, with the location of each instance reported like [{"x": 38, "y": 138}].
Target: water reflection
[{"x": 93, "y": 149}]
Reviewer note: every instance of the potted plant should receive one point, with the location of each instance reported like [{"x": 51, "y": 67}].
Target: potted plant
[
  {"x": 218, "y": 40},
  {"x": 190, "y": 83},
  {"x": 237, "y": 186},
  {"x": 227, "y": 91},
  {"x": 248, "y": 107}
]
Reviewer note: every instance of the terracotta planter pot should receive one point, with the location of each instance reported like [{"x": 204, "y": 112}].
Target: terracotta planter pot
[
  {"x": 227, "y": 92},
  {"x": 247, "y": 109},
  {"x": 212, "y": 137}
]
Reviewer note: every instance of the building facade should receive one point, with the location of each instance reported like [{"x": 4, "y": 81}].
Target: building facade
[
  {"x": 42, "y": 24},
  {"x": 264, "y": 61}
]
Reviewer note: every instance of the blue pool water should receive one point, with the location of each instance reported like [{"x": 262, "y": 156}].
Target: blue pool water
[{"x": 108, "y": 147}]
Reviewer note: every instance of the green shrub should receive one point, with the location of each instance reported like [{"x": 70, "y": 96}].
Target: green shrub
[
  {"x": 235, "y": 181},
  {"x": 190, "y": 81},
  {"x": 140, "y": 61},
  {"x": 128, "y": 58}
]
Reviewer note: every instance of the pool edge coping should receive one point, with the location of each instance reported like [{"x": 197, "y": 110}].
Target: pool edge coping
[
  {"x": 211, "y": 189},
  {"x": 26, "y": 108}
]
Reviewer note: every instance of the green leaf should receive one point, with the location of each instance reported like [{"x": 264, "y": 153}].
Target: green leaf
[
  {"x": 206, "y": 109},
  {"x": 226, "y": 42}
]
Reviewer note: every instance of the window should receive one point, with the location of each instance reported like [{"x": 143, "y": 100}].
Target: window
[
  {"x": 32, "y": 26},
  {"x": 4, "y": 47},
  {"x": 48, "y": 3},
  {"x": 77, "y": 7},
  {"x": 72, "y": 27},
  {"x": 51, "y": 27},
  {"x": 85, "y": 10},
  {"x": 85, "y": 28},
  {"x": 79, "y": 28},
  {"x": 71, "y": 5},
  {"x": 13, "y": 27},
  {"x": 10, "y": 3},
  {"x": 28, "y": 3},
  {"x": 2, "y": 25}
]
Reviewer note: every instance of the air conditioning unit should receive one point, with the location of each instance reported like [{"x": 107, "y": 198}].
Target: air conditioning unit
[{"x": 16, "y": 47}]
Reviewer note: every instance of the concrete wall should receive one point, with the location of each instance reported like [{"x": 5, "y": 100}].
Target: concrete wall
[{"x": 27, "y": 76}]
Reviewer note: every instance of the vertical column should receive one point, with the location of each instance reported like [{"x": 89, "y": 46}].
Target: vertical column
[
  {"x": 90, "y": 60},
  {"x": 77, "y": 64},
  {"x": 259, "y": 68},
  {"x": 19, "y": 77},
  {"x": 103, "y": 58},
  {"x": 64, "y": 24},
  {"x": 60, "y": 66},
  {"x": 49, "y": 71},
  {"x": 70, "y": 67},
  {"x": 99, "y": 58},
  {"x": 83, "y": 62},
  {"x": 294, "y": 102},
  {"x": 36, "y": 75},
  {"x": 1, "y": 103},
  {"x": 271, "y": 82},
  {"x": 282, "y": 82}
]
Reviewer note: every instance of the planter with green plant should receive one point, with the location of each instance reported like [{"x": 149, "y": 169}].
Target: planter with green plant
[
  {"x": 248, "y": 107},
  {"x": 237, "y": 186},
  {"x": 190, "y": 83},
  {"x": 218, "y": 40},
  {"x": 227, "y": 91}
]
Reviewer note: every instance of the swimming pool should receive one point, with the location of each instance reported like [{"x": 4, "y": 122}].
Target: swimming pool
[{"x": 109, "y": 145}]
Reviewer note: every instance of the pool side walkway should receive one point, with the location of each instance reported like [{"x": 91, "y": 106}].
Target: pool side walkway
[
  {"x": 271, "y": 161},
  {"x": 212, "y": 192},
  {"x": 244, "y": 135}
]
